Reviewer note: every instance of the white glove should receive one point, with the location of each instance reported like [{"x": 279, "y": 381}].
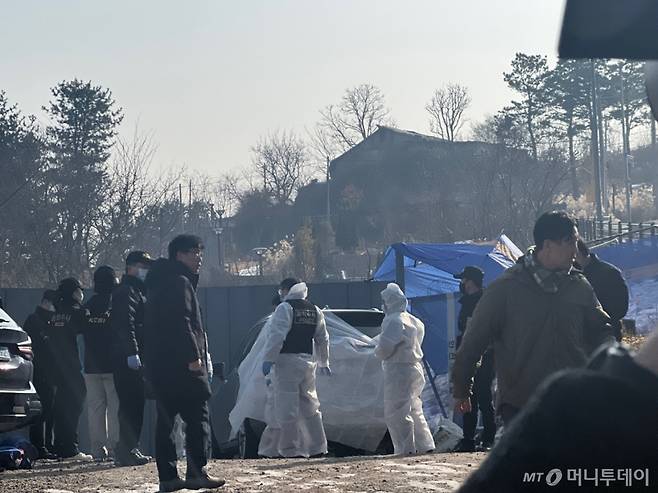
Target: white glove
[{"x": 134, "y": 363}]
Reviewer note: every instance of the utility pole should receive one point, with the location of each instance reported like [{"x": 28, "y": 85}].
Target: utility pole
[
  {"x": 180, "y": 203},
  {"x": 627, "y": 150},
  {"x": 328, "y": 196},
  {"x": 220, "y": 247},
  {"x": 596, "y": 156}
]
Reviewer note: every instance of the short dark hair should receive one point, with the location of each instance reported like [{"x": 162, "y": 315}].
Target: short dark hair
[
  {"x": 583, "y": 248},
  {"x": 183, "y": 243},
  {"x": 50, "y": 295},
  {"x": 288, "y": 283},
  {"x": 555, "y": 226},
  {"x": 138, "y": 257}
]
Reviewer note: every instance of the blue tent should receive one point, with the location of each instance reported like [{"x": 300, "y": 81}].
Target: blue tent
[
  {"x": 433, "y": 291},
  {"x": 632, "y": 257}
]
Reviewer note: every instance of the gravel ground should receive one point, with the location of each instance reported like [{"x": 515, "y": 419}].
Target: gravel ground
[{"x": 440, "y": 472}]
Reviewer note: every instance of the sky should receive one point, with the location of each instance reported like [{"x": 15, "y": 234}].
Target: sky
[{"x": 209, "y": 78}]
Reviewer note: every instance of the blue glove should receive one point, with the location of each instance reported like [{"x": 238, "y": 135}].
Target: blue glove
[
  {"x": 325, "y": 371},
  {"x": 134, "y": 363},
  {"x": 267, "y": 367}
]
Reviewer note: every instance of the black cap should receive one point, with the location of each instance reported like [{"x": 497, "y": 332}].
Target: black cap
[
  {"x": 472, "y": 273},
  {"x": 68, "y": 286},
  {"x": 50, "y": 295},
  {"x": 288, "y": 283},
  {"x": 138, "y": 257}
]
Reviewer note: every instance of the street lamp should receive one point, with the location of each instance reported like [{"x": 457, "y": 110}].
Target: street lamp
[{"x": 218, "y": 228}]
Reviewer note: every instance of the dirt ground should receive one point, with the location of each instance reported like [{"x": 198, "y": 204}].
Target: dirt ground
[{"x": 440, "y": 472}]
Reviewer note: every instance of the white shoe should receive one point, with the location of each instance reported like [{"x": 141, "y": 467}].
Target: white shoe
[{"x": 80, "y": 456}]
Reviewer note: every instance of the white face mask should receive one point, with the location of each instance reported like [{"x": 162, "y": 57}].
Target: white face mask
[
  {"x": 141, "y": 273},
  {"x": 78, "y": 295},
  {"x": 384, "y": 307}
]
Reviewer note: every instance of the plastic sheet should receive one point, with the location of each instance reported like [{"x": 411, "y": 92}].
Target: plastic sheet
[{"x": 351, "y": 400}]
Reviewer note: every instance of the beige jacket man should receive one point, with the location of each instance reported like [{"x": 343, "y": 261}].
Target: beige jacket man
[{"x": 534, "y": 333}]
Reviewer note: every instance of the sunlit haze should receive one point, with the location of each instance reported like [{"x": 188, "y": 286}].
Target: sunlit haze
[{"x": 209, "y": 78}]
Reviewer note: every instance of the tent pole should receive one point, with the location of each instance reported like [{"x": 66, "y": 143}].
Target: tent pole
[
  {"x": 399, "y": 269},
  {"x": 428, "y": 370}
]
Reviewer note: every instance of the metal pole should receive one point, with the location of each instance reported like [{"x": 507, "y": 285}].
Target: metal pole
[
  {"x": 180, "y": 202},
  {"x": 399, "y": 269},
  {"x": 219, "y": 251},
  {"x": 596, "y": 156},
  {"x": 627, "y": 152},
  {"x": 328, "y": 196},
  {"x": 431, "y": 377}
]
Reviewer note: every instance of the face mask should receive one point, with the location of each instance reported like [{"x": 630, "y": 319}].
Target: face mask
[
  {"x": 49, "y": 307},
  {"x": 384, "y": 307},
  {"x": 141, "y": 273},
  {"x": 78, "y": 296}
]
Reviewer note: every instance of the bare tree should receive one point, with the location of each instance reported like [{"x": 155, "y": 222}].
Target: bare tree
[
  {"x": 446, "y": 109},
  {"x": 281, "y": 162},
  {"x": 136, "y": 193},
  {"x": 227, "y": 193},
  {"x": 323, "y": 148},
  {"x": 485, "y": 130},
  {"x": 361, "y": 110}
]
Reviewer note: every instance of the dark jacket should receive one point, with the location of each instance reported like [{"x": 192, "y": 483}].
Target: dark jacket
[
  {"x": 174, "y": 334},
  {"x": 602, "y": 417},
  {"x": 127, "y": 318},
  {"x": 37, "y": 326},
  {"x": 610, "y": 289},
  {"x": 468, "y": 303},
  {"x": 67, "y": 323},
  {"x": 98, "y": 335}
]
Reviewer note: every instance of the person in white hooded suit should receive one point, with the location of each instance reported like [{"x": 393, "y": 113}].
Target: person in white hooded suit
[
  {"x": 297, "y": 338},
  {"x": 399, "y": 348}
]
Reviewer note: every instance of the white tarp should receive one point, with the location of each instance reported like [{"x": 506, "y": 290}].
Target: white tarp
[{"x": 351, "y": 400}]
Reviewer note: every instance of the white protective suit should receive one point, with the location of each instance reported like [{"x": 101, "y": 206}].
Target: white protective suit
[
  {"x": 294, "y": 422},
  {"x": 399, "y": 347}
]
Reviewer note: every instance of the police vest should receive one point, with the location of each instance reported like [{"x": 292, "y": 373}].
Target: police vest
[
  {"x": 304, "y": 322},
  {"x": 99, "y": 316}
]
